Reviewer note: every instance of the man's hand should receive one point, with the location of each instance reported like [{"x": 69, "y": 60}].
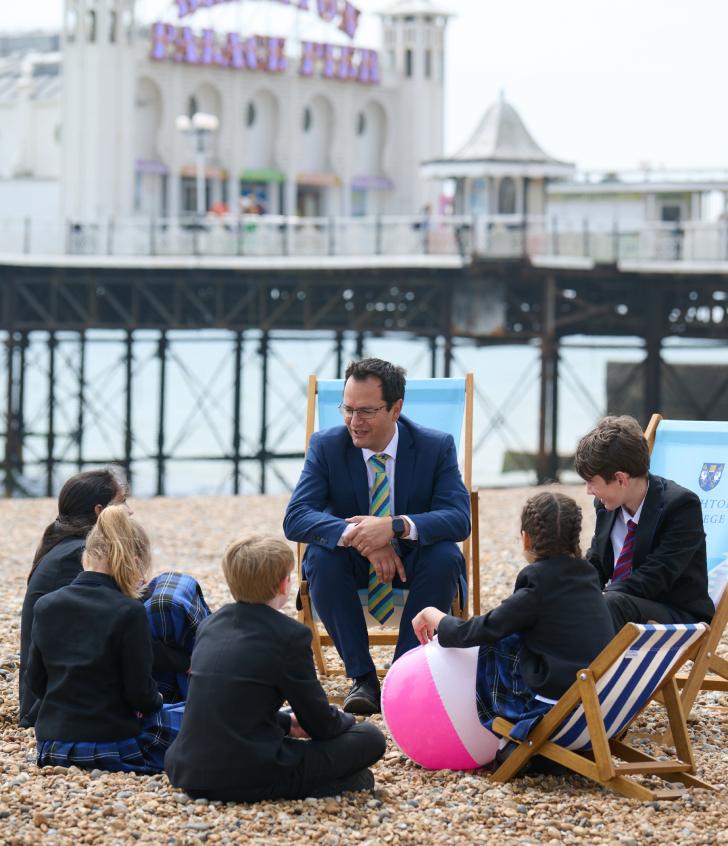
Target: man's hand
[
  {"x": 426, "y": 622},
  {"x": 296, "y": 730},
  {"x": 369, "y": 533},
  {"x": 387, "y": 563}
]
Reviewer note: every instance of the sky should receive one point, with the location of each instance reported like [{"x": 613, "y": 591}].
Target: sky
[{"x": 607, "y": 84}]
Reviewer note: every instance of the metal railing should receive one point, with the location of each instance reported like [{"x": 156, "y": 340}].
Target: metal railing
[{"x": 494, "y": 236}]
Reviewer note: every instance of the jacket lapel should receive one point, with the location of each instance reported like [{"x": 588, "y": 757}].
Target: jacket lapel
[
  {"x": 358, "y": 474},
  {"x": 649, "y": 519},
  {"x": 403, "y": 468},
  {"x": 603, "y": 540}
]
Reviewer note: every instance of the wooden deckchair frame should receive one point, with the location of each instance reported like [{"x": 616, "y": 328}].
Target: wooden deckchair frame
[
  {"x": 470, "y": 546},
  {"x": 709, "y": 670},
  {"x": 599, "y": 764}
]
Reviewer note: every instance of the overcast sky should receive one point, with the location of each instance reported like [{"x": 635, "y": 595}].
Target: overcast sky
[{"x": 604, "y": 83}]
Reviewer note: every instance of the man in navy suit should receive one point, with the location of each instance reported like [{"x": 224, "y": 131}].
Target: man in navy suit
[{"x": 414, "y": 546}]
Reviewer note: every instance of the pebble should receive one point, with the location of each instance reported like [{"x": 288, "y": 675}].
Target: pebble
[{"x": 411, "y": 806}]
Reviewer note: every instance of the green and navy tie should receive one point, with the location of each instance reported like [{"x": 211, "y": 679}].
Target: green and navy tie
[{"x": 380, "y": 601}]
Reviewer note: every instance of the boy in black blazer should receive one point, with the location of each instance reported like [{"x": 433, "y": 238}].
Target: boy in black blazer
[
  {"x": 235, "y": 743},
  {"x": 649, "y": 545}
]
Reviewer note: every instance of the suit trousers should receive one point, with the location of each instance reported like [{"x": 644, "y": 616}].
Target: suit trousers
[
  {"x": 324, "y": 769},
  {"x": 335, "y": 575},
  {"x": 626, "y": 608}
]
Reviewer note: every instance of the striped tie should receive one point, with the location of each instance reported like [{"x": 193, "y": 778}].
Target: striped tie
[
  {"x": 623, "y": 567},
  {"x": 379, "y": 600}
]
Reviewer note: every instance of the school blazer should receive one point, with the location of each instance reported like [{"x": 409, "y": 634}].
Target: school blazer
[
  {"x": 669, "y": 563},
  {"x": 247, "y": 661},
  {"x": 558, "y": 609},
  {"x": 333, "y": 485}
]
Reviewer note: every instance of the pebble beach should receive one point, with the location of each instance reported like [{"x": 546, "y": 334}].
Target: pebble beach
[{"x": 410, "y": 805}]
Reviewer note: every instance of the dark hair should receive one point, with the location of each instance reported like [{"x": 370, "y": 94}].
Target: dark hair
[
  {"x": 552, "y": 522},
  {"x": 77, "y": 503},
  {"x": 616, "y": 444},
  {"x": 391, "y": 376}
]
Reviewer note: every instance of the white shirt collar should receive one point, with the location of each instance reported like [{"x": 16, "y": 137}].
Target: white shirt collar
[
  {"x": 390, "y": 449},
  {"x": 635, "y": 518}
]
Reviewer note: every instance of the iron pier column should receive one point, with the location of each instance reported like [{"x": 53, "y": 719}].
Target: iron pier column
[
  {"x": 51, "y": 433},
  {"x": 81, "y": 419},
  {"x": 653, "y": 359},
  {"x": 161, "y": 466},
  {"x": 128, "y": 439},
  {"x": 547, "y": 464},
  {"x": 236, "y": 410},
  {"x": 264, "y": 410},
  {"x": 339, "y": 354}
]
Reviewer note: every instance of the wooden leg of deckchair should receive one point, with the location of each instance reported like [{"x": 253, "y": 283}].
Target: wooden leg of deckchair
[
  {"x": 595, "y": 723},
  {"x": 632, "y": 755},
  {"x": 676, "y": 718},
  {"x": 318, "y": 653},
  {"x": 475, "y": 551}
]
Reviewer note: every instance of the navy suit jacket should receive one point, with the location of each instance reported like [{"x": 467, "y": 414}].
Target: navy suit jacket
[
  {"x": 669, "y": 561},
  {"x": 333, "y": 485}
]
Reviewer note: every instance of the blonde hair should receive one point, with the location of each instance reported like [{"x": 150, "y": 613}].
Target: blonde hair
[
  {"x": 122, "y": 543},
  {"x": 255, "y": 565}
]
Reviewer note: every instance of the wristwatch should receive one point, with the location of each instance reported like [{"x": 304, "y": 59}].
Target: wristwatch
[{"x": 399, "y": 526}]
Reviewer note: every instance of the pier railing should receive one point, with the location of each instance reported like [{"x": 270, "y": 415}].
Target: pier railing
[{"x": 472, "y": 236}]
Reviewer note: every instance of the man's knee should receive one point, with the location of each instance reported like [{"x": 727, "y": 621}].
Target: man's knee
[
  {"x": 621, "y": 608},
  {"x": 321, "y": 562},
  {"x": 443, "y": 556}
]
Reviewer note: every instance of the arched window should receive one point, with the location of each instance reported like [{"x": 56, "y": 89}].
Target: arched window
[
  {"x": 507, "y": 196},
  {"x": 112, "y": 26},
  {"x": 250, "y": 115},
  {"x": 91, "y": 25},
  {"x": 71, "y": 24},
  {"x": 307, "y": 119},
  {"x": 361, "y": 123},
  {"x": 192, "y": 106}
]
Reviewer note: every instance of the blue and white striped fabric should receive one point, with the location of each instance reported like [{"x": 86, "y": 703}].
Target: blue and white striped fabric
[{"x": 631, "y": 681}]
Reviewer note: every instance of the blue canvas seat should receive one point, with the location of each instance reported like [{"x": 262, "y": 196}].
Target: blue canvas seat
[
  {"x": 695, "y": 455},
  {"x": 442, "y": 404},
  {"x": 584, "y": 730}
]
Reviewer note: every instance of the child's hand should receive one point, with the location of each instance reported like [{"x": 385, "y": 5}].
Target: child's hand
[
  {"x": 296, "y": 729},
  {"x": 426, "y": 622}
]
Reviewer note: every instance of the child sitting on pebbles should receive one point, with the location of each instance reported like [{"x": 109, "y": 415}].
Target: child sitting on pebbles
[
  {"x": 249, "y": 658},
  {"x": 555, "y": 622},
  {"x": 90, "y": 660}
]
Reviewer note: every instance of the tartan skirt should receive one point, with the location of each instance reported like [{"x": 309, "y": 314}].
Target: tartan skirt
[
  {"x": 175, "y": 608},
  {"x": 500, "y": 690},
  {"x": 143, "y": 754}
]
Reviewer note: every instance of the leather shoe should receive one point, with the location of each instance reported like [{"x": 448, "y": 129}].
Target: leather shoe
[{"x": 364, "y": 697}]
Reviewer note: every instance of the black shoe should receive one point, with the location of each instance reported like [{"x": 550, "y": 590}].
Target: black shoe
[
  {"x": 364, "y": 696},
  {"x": 362, "y": 780}
]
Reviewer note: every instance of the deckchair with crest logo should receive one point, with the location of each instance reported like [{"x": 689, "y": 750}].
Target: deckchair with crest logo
[
  {"x": 695, "y": 455},
  {"x": 584, "y": 731},
  {"x": 442, "y": 404}
]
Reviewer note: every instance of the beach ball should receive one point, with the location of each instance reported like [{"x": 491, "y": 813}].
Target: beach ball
[{"x": 428, "y": 704}]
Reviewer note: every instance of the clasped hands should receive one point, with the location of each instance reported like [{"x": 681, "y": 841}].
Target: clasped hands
[{"x": 371, "y": 538}]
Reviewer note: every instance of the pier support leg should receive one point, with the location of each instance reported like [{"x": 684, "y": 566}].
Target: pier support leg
[
  {"x": 653, "y": 360},
  {"x": 128, "y": 437},
  {"x": 264, "y": 341},
  {"x": 547, "y": 466},
  {"x": 81, "y": 418},
  {"x": 161, "y": 458},
  {"x": 237, "y": 398},
  {"x": 51, "y": 431}
]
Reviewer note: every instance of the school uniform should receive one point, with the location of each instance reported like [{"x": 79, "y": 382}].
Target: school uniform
[
  {"x": 668, "y": 581},
  {"x": 248, "y": 660},
  {"x": 90, "y": 665},
  {"x": 554, "y": 623},
  {"x": 175, "y": 607}
]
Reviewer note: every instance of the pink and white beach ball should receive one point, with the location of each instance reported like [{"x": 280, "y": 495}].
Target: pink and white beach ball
[{"x": 428, "y": 703}]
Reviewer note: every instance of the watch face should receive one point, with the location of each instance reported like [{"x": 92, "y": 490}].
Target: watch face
[{"x": 398, "y": 526}]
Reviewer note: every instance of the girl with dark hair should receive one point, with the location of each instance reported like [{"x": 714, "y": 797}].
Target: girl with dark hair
[
  {"x": 99, "y": 706},
  {"x": 57, "y": 560},
  {"x": 174, "y": 602},
  {"x": 554, "y": 623}
]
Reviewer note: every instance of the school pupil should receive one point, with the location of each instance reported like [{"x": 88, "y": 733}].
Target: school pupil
[
  {"x": 554, "y": 623},
  {"x": 90, "y": 660},
  {"x": 236, "y": 744}
]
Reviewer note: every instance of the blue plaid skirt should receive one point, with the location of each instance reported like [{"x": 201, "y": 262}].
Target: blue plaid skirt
[
  {"x": 500, "y": 690},
  {"x": 142, "y": 754},
  {"x": 175, "y": 608}
]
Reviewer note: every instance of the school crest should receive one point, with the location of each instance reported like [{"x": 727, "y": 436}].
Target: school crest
[{"x": 710, "y": 475}]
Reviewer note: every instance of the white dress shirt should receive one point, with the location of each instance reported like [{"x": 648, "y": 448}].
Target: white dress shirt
[{"x": 391, "y": 451}]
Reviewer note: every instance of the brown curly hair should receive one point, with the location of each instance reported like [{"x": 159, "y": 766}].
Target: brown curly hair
[{"x": 552, "y": 521}]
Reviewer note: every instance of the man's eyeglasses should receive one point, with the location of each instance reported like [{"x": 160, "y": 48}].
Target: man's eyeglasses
[{"x": 364, "y": 413}]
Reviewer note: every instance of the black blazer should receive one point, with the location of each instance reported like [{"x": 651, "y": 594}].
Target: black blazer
[
  {"x": 90, "y": 662},
  {"x": 248, "y": 659},
  {"x": 58, "y": 568},
  {"x": 669, "y": 561},
  {"x": 558, "y": 609}
]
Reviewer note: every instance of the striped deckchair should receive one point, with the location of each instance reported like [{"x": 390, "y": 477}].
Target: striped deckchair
[{"x": 584, "y": 731}]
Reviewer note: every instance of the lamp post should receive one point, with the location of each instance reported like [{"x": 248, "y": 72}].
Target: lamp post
[{"x": 200, "y": 125}]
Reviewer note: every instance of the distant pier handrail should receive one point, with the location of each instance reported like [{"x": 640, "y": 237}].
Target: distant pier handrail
[{"x": 467, "y": 236}]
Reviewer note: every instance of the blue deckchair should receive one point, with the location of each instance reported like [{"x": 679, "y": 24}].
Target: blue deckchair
[
  {"x": 444, "y": 404},
  {"x": 695, "y": 455},
  {"x": 585, "y": 729}
]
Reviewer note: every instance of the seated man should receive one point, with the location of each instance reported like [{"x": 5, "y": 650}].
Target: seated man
[
  {"x": 649, "y": 544},
  {"x": 356, "y": 481}
]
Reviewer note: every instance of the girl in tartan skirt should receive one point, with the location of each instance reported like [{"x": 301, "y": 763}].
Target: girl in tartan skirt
[
  {"x": 554, "y": 623},
  {"x": 174, "y": 602},
  {"x": 90, "y": 660}
]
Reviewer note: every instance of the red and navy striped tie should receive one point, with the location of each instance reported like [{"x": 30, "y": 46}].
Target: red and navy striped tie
[
  {"x": 380, "y": 600},
  {"x": 623, "y": 567}
]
